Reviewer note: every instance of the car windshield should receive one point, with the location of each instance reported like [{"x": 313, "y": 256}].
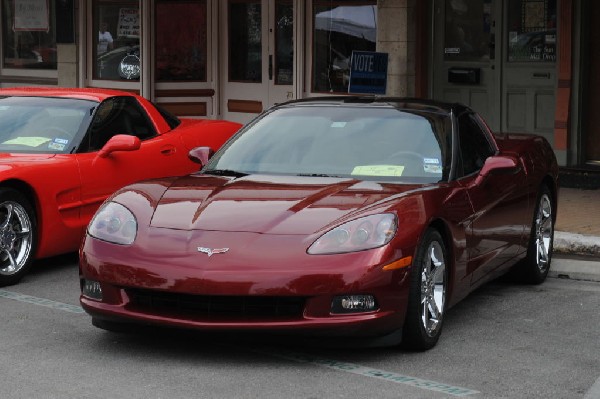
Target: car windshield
[
  {"x": 378, "y": 142},
  {"x": 42, "y": 124}
]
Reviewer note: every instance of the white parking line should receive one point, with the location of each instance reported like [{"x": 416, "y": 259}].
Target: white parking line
[
  {"x": 594, "y": 392},
  {"x": 41, "y": 301},
  {"x": 374, "y": 373},
  {"x": 294, "y": 356}
]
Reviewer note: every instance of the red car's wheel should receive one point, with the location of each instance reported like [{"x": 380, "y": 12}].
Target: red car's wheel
[
  {"x": 17, "y": 236},
  {"x": 427, "y": 298},
  {"x": 539, "y": 253}
]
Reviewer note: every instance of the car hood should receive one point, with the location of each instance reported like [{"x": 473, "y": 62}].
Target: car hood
[
  {"x": 10, "y": 160},
  {"x": 270, "y": 204}
]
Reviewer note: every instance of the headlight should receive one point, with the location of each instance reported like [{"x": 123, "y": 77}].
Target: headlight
[
  {"x": 114, "y": 223},
  {"x": 357, "y": 235}
]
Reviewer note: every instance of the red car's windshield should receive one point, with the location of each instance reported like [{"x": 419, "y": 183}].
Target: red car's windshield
[
  {"x": 369, "y": 143},
  {"x": 42, "y": 124}
]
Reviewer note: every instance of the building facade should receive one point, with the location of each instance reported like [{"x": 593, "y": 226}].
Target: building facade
[{"x": 526, "y": 65}]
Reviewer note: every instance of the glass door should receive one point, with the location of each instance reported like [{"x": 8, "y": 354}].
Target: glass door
[
  {"x": 466, "y": 65},
  {"x": 259, "y": 56}
]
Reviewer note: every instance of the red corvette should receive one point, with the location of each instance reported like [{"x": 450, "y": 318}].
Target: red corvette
[
  {"x": 64, "y": 151},
  {"x": 343, "y": 216}
]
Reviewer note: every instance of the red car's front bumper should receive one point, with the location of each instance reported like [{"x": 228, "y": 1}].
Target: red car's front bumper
[{"x": 243, "y": 290}]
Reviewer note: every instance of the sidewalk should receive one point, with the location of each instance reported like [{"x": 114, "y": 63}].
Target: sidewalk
[
  {"x": 577, "y": 229},
  {"x": 577, "y": 232}
]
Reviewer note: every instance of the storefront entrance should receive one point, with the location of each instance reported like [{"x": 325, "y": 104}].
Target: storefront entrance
[
  {"x": 499, "y": 57},
  {"x": 591, "y": 118},
  {"x": 258, "y": 54}
]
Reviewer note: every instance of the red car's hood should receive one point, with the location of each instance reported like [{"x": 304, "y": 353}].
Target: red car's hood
[
  {"x": 266, "y": 204},
  {"x": 8, "y": 161},
  {"x": 8, "y": 157}
]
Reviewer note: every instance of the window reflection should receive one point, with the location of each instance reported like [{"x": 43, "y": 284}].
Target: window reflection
[
  {"x": 245, "y": 41},
  {"x": 468, "y": 32},
  {"x": 181, "y": 40},
  {"x": 117, "y": 45},
  {"x": 29, "y": 35},
  {"x": 284, "y": 44},
  {"x": 340, "y": 27},
  {"x": 532, "y": 30}
]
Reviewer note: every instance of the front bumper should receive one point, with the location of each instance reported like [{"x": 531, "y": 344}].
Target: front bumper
[{"x": 168, "y": 283}]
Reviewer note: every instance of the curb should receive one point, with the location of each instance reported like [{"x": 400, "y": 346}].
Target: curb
[
  {"x": 575, "y": 269},
  {"x": 576, "y": 244}
]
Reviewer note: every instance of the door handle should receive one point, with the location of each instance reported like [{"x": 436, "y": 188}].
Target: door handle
[{"x": 270, "y": 67}]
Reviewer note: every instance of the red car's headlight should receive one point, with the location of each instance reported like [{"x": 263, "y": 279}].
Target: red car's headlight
[
  {"x": 357, "y": 235},
  {"x": 114, "y": 223}
]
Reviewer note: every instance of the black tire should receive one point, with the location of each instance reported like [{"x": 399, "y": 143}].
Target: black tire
[
  {"x": 427, "y": 296},
  {"x": 535, "y": 267},
  {"x": 18, "y": 236}
]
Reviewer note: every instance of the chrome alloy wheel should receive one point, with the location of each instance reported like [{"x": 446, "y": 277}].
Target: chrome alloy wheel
[
  {"x": 544, "y": 232},
  {"x": 433, "y": 288},
  {"x": 16, "y": 238}
]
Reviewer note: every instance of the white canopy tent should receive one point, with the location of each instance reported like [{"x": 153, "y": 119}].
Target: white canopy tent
[{"x": 358, "y": 21}]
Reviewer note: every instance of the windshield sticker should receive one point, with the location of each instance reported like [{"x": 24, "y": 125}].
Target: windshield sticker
[
  {"x": 338, "y": 124},
  {"x": 28, "y": 141},
  {"x": 431, "y": 161},
  {"x": 378, "y": 170},
  {"x": 428, "y": 168},
  {"x": 61, "y": 141},
  {"x": 56, "y": 146}
]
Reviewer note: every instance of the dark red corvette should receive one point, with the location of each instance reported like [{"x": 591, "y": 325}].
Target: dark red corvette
[{"x": 337, "y": 216}]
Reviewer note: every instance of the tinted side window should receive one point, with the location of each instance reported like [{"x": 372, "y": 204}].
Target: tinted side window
[
  {"x": 474, "y": 145},
  {"x": 117, "y": 115}
]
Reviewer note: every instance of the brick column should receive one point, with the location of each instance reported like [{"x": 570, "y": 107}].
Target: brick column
[
  {"x": 395, "y": 36},
  {"x": 66, "y": 65}
]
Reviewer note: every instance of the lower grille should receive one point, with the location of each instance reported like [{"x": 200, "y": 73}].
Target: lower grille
[{"x": 205, "y": 306}]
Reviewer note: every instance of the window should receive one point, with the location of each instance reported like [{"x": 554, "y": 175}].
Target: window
[
  {"x": 181, "y": 41},
  {"x": 284, "y": 42},
  {"x": 340, "y": 27},
  {"x": 117, "y": 45},
  {"x": 117, "y": 115},
  {"x": 29, "y": 35},
  {"x": 474, "y": 145},
  {"x": 245, "y": 41},
  {"x": 468, "y": 34},
  {"x": 532, "y": 30}
]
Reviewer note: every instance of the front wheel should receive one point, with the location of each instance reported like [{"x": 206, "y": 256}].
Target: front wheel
[
  {"x": 427, "y": 296},
  {"x": 17, "y": 236},
  {"x": 539, "y": 252}
]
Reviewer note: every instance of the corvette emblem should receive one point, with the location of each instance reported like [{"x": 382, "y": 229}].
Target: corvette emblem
[{"x": 210, "y": 252}]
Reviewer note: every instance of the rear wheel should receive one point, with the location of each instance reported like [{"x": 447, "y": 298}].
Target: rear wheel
[
  {"x": 427, "y": 297},
  {"x": 17, "y": 236},
  {"x": 539, "y": 252}
]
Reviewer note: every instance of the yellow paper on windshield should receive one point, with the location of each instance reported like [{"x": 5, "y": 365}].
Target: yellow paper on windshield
[
  {"x": 378, "y": 170},
  {"x": 28, "y": 141}
]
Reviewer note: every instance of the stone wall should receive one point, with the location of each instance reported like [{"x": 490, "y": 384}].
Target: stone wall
[{"x": 396, "y": 28}]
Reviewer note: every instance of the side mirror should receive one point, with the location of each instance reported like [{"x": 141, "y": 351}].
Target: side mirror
[
  {"x": 201, "y": 155},
  {"x": 498, "y": 165},
  {"x": 120, "y": 142}
]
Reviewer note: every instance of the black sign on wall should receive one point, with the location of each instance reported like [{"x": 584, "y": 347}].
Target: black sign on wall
[{"x": 65, "y": 21}]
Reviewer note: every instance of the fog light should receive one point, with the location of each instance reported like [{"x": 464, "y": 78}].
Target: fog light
[
  {"x": 353, "y": 304},
  {"x": 91, "y": 289}
]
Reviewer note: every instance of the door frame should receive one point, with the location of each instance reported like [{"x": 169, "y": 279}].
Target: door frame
[{"x": 252, "y": 104}]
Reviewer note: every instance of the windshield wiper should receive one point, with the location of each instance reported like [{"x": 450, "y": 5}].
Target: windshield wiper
[
  {"x": 316, "y": 175},
  {"x": 225, "y": 172}
]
